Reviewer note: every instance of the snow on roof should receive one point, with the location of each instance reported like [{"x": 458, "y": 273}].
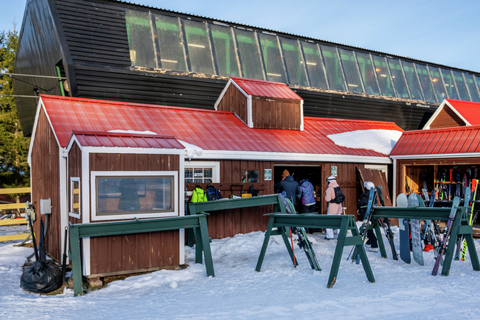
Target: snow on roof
[{"x": 378, "y": 140}]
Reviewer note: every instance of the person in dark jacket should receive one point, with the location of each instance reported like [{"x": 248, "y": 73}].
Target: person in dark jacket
[
  {"x": 362, "y": 203},
  {"x": 289, "y": 185}
]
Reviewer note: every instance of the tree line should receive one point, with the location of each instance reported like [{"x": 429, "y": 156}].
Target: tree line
[{"x": 14, "y": 169}]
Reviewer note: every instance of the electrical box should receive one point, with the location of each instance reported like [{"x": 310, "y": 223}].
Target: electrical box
[{"x": 45, "y": 206}]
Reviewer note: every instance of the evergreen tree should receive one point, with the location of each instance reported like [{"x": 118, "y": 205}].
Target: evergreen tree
[{"x": 14, "y": 169}]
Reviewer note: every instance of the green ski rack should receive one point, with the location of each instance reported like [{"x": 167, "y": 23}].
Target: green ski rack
[
  {"x": 88, "y": 230},
  {"x": 342, "y": 222},
  {"x": 460, "y": 226}
]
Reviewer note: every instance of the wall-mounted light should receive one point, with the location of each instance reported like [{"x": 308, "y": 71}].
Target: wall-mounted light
[
  {"x": 377, "y": 69},
  {"x": 434, "y": 80}
]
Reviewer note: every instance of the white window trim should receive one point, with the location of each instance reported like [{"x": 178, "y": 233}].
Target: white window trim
[
  {"x": 173, "y": 213},
  {"x": 71, "y": 213},
  {"x": 214, "y": 165}
]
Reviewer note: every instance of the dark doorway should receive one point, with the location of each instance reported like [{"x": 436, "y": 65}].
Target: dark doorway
[{"x": 299, "y": 172}]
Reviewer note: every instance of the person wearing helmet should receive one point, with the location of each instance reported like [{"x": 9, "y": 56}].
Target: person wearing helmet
[
  {"x": 362, "y": 203},
  {"x": 333, "y": 208}
]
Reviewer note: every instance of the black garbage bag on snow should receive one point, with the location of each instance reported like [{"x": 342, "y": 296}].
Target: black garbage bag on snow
[{"x": 41, "y": 277}]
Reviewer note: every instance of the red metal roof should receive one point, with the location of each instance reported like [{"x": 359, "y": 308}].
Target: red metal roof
[
  {"x": 470, "y": 111},
  {"x": 268, "y": 89},
  {"x": 438, "y": 141},
  {"x": 207, "y": 129},
  {"x": 114, "y": 139}
]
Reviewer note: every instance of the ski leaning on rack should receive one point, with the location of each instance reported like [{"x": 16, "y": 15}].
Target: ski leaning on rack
[
  {"x": 385, "y": 223},
  {"x": 414, "y": 201},
  {"x": 402, "y": 202},
  {"x": 466, "y": 203},
  {"x": 303, "y": 241},
  {"x": 474, "y": 191},
  {"x": 366, "y": 222},
  {"x": 443, "y": 246}
]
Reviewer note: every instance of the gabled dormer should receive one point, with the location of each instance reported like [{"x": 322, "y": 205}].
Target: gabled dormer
[{"x": 454, "y": 113}]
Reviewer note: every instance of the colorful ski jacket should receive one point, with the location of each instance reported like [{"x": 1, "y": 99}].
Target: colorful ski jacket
[
  {"x": 198, "y": 195},
  {"x": 306, "y": 189}
]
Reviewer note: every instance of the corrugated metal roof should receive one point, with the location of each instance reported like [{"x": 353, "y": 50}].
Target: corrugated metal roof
[
  {"x": 114, "y": 139},
  {"x": 470, "y": 111},
  {"x": 207, "y": 129},
  {"x": 268, "y": 89},
  {"x": 438, "y": 141}
]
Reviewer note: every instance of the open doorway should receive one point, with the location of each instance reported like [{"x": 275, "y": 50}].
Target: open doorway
[{"x": 311, "y": 172}]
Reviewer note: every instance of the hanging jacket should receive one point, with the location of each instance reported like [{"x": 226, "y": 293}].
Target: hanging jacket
[
  {"x": 198, "y": 195},
  {"x": 307, "y": 192}
]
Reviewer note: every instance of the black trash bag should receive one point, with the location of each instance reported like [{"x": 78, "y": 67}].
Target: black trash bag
[{"x": 41, "y": 277}]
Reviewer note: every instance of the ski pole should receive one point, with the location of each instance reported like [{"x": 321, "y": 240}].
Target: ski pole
[{"x": 293, "y": 249}]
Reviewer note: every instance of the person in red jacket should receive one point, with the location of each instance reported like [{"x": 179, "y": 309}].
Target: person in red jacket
[{"x": 333, "y": 208}]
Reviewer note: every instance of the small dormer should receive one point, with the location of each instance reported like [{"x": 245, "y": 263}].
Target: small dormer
[
  {"x": 454, "y": 113},
  {"x": 262, "y": 104}
]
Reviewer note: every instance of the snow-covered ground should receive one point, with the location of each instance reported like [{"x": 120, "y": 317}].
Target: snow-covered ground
[{"x": 239, "y": 292}]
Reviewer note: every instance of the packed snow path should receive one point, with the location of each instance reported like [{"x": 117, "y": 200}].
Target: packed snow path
[{"x": 239, "y": 292}]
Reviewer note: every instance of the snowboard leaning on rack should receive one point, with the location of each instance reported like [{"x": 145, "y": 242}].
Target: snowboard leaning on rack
[
  {"x": 414, "y": 201},
  {"x": 402, "y": 202},
  {"x": 386, "y": 225}
]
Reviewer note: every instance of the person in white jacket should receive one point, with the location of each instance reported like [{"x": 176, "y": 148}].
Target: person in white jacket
[{"x": 333, "y": 208}]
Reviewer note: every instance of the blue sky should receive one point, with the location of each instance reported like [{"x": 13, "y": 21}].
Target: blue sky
[{"x": 444, "y": 32}]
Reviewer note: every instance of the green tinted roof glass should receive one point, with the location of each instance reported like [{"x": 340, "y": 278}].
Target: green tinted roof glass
[
  {"x": 272, "y": 58},
  {"x": 365, "y": 65},
  {"x": 352, "y": 75},
  {"x": 314, "y": 64}
]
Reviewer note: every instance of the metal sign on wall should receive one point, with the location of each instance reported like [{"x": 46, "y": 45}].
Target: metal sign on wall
[{"x": 333, "y": 171}]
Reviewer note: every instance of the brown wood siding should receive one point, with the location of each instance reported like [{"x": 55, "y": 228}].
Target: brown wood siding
[
  {"x": 45, "y": 170},
  {"x": 447, "y": 118},
  {"x": 347, "y": 180},
  {"x": 135, "y": 251},
  {"x": 276, "y": 113},
  {"x": 74, "y": 168},
  {"x": 235, "y": 101},
  {"x": 228, "y": 223}
]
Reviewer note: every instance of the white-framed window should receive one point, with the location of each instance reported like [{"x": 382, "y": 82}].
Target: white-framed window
[
  {"x": 133, "y": 194},
  {"x": 75, "y": 197},
  {"x": 202, "y": 172}
]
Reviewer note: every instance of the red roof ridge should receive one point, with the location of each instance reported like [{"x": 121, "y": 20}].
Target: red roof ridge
[
  {"x": 442, "y": 129},
  {"x": 352, "y": 120},
  {"x": 118, "y": 134},
  {"x": 463, "y": 101},
  {"x": 262, "y": 81},
  {"x": 133, "y": 104}
]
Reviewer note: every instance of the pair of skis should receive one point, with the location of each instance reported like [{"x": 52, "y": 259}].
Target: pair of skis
[
  {"x": 366, "y": 222},
  {"x": 303, "y": 241},
  {"x": 385, "y": 223},
  {"x": 467, "y": 203}
]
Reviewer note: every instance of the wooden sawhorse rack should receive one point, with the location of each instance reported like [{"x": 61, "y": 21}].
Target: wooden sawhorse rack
[{"x": 344, "y": 223}]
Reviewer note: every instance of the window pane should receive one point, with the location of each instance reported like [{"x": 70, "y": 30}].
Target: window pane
[
  {"x": 334, "y": 70},
  {"x": 271, "y": 58},
  {"x": 170, "y": 41},
  {"x": 198, "y": 46},
  {"x": 293, "y": 60},
  {"x": 351, "y": 71},
  {"x": 207, "y": 173},
  {"x": 250, "y": 176},
  {"x": 366, "y": 70},
  {"x": 313, "y": 60},
  {"x": 224, "y": 51},
  {"x": 383, "y": 76},
  {"x": 126, "y": 195},
  {"x": 249, "y": 55},
  {"x": 412, "y": 81},
  {"x": 140, "y": 41},
  {"x": 461, "y": 86},
  {"x": 426, "y": 83},
  {"x": 398, "y": 79},
  {"x": 472, "y": 87},
  {"x": 75, "y": 197},
  {"x": 437, "y": 83},
  {"x": 449, "y": 84}
]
